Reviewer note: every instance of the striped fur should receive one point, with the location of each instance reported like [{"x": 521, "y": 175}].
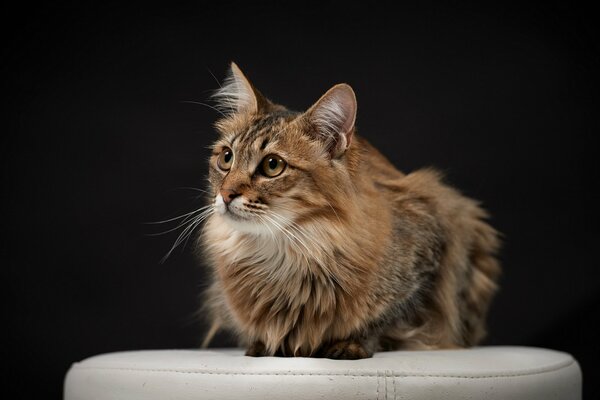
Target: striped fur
[{"x": 341, "y": 254}]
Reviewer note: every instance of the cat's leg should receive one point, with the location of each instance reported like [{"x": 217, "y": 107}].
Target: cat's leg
[
  {"x": 349, "y": 349},
  {"x": 256, "y": 349}
]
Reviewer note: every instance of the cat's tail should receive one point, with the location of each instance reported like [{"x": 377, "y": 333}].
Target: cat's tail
[{"x": 484, "y": 274}]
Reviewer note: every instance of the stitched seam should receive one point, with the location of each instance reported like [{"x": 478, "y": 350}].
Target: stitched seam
[
  {"x": 387, "y": 373},
  {"x": 377, "y": 384},
  {"x": 376, "y": 374}
]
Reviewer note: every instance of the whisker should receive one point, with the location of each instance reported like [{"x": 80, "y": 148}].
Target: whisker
[
  {"x": 302, "y": 232},
  {"x": 266, "y": 225},
  {"x": 195, "y": 226},
  {"x": 193, "y": 188},
  {"x": 202, "y": 191},
  {"x": 293, "y": 240},
  {"x": 185, "y": 234},
  {"x": 178, "y": 217},
  {"x": 183, "y": 223},
  {"x": 191, "y": 226},
  {"x": 283, "y": 228},
  {"x": 333, "y": 209},
  {"x": 204, "y": 104}
]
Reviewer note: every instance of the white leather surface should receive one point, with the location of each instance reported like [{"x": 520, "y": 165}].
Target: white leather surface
[{"x": 479, "y": 373}]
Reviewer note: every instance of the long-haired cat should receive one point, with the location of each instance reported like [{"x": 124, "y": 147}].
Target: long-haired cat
[{"x": 320, "y": 247}]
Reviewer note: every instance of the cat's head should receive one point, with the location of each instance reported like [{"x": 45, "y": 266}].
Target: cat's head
[{"x": 272, "y": 167}]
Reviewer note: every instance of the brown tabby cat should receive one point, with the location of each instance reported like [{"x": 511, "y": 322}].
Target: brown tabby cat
[{"x": 321, "y": 247}]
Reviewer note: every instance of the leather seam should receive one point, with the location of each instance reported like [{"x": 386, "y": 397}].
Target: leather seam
[
  {"x": 371, "y": 375},
  {"x": 378, "y": 382}
]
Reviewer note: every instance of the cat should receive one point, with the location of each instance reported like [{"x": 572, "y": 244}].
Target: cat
[{"x": 320, "y": 247}]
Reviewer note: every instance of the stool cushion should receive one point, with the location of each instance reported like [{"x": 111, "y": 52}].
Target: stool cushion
[{"x": 478, "y": 373}]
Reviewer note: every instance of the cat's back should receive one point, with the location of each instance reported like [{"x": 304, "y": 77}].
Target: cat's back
[
  {"x": 372, "y": 163},
  {"x": 428, "y": 213},
  {"x": 424, "y": 186}
]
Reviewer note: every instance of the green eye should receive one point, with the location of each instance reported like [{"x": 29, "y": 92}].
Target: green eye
[
  {"x": 225, "y": 159},
  {"x": 272, "y": 165}
]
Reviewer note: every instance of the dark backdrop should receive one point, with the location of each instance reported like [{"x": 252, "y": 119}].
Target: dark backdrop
[{"x": 98, "y": 139}]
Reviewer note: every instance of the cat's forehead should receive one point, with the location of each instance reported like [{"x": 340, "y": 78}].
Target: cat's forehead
[{"x": 258, "y": 130}]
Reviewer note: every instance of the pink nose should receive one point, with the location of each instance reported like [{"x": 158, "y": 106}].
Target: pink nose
[{"x": 228, "y": 195}]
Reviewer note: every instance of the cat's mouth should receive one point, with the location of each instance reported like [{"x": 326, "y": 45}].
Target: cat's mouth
[
  {"x": 245, "y": 217},
  {"x": 238, "y": 210},
  {"x": 242, "y": 214},
  {"x": 231, "y": 212}
]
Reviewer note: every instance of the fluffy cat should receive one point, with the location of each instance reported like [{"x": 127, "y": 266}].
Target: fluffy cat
[{"x": 320, "y": 247}]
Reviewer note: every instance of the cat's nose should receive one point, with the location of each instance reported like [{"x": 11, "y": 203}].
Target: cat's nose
[{"x": 228, "y": 195}]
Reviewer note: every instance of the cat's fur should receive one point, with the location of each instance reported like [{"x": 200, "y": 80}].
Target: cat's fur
[{"x": 342, "y": 254}]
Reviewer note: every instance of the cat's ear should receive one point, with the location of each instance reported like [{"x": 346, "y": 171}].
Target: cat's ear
[
  {"x": 238, "y": 95},
  {"x": 333, "y": 117}
]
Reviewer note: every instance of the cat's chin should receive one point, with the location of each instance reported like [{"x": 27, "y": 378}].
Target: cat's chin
[{"x": 244, "y": 224}]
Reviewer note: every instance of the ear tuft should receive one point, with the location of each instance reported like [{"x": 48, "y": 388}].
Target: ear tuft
[
  {"x": 237, "y": 94},
  {"x": 333, "y": 117}
]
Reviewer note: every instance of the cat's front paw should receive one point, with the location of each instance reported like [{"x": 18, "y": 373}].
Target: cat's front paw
[
  {"x": 346, "y": 350},
  {"x": 256, "y": 349}
]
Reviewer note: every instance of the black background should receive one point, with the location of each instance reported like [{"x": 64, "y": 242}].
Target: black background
[{"x": 98, "y": 138}]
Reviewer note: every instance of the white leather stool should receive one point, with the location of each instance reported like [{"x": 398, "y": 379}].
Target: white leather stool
[{"x": 479, "y": 373}]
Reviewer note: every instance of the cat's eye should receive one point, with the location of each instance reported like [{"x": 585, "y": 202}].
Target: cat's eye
[
  {"x": 272, "y": 165},
  {"x": 225, "y": 159}
]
